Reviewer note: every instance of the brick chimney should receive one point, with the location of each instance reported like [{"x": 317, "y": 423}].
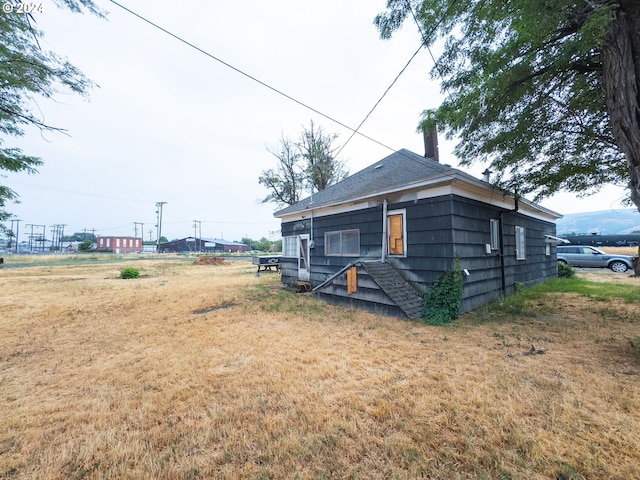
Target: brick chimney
[{"x": 431, "y": 145}]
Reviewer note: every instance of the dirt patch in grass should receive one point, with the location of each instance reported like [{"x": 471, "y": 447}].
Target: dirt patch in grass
[
  {"x": 106, "y": 379},
  {"x": 211, "y": 261}
]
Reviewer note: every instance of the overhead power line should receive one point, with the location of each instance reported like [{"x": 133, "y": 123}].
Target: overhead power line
[
  {"x": 379, "y": 100},
  {"x": 289, "y": 97},
  {"x": 422, "y": 44},
  {"x": 251, "y": 77}
]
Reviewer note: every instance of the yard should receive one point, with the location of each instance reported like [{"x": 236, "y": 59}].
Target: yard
[{"x": 207, "y": 371}]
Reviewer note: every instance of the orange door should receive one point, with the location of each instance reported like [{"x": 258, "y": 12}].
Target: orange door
[{"x": 396, "y": 235}]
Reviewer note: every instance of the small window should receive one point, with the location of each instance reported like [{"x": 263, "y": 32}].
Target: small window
[
  {"x": 495, "y": 233},
  {"x": 344, "y": 243},
  {"x": 521, "y": 247},
  {"x": 290, "y": 246}
]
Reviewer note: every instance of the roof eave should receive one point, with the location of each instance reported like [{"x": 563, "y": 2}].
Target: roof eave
[{"x": 429, "y": 182}]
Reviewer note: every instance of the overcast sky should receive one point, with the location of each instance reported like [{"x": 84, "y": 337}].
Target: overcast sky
[{"x": 170, "y": 124}]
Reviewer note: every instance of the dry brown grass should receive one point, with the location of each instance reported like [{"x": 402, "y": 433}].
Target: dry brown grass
[
  {"x": 108, "y": 378},
  {"x": 633, "y": 251}
]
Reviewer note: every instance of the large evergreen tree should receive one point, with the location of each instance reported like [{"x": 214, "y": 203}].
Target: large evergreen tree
[
  {"x": 547, "y": 92},
  {"x": 26, "y": 73}
]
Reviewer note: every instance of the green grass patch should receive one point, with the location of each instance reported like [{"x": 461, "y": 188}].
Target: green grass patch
[
  {"x": 535, "y": 301},
  {"x": 600, "y": 291}
]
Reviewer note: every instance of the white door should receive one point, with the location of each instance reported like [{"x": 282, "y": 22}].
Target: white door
[{"x": 303, "y": 257}]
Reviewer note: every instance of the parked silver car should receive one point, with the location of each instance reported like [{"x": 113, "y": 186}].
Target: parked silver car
[{"x": 586, "y": 256}]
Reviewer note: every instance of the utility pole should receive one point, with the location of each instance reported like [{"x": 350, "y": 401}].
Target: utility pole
[
  {"x": 135, "y": 229},
  {"x": 17, "y": 235},
  {"x": 42, "y": 237},
  {"x": 198, "y": 223},
  {"x": 30, "y": 236},
  {"x": 57, "y": 232},
  {"x": 159, "y": 224},
  {"x": 61, "y": 235},
  {"x": 135, "y": 235}
]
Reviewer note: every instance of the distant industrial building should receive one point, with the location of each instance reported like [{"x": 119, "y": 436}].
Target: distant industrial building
[
  {"x": 204, "y": 245},
  {"x": 119, "y": 244}
]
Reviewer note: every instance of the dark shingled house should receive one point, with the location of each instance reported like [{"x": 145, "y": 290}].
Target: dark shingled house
[{"x": 377, "y": 239}]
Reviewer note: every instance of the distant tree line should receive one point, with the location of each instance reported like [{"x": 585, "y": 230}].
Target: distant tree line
[
  {"x": 80, "y": 237},
  {"x": 262, "y": 245}
]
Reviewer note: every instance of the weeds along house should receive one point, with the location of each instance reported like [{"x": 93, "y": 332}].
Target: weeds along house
[{"x": 377, "y": 239}]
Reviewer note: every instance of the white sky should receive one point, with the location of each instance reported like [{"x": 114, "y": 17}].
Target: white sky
[{"x": 170, "y": 124}]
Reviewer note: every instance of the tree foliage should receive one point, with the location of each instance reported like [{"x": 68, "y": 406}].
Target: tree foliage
[
  {"x": 285, "y": 183},
  {"x": 85, "y": 246},
  {"x": 303, "y": 167},
  {"x": 27, "y": 72},
  {"x": 544, "y": 91},
  {"x": 322, "y": 169}
]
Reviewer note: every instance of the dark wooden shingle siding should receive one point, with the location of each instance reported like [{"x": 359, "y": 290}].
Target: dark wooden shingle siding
[
  {"x": 438, "y": 229},
  {"x": 367, "y": 221},
  {"x": 429, "y": 241},
  {"x": 537, "y": 266}
]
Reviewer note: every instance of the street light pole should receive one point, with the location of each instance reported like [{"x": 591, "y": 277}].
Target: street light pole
[{"x": 159, "y": 212}]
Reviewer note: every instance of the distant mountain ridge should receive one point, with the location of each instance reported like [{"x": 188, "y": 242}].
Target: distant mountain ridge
[{"x": 604, "y": 222}]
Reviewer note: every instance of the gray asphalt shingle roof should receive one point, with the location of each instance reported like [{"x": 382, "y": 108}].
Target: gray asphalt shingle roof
[
  {"x": 400, "y": 168},
  {"x": 397, "y": 288}
]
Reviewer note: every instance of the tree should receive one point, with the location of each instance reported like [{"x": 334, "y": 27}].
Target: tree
[
  {"x": 85, "y": 246},
  {"x": 547, "y": 92},
  {"x": 264, "y": 245},
  {"x": 28, "y": 72},
  {"x": 322, "y": 168},
  {"x": 286, "y": 182},
  {"x": 80, "y": 237},
  {"x": 306, "y": 166}
]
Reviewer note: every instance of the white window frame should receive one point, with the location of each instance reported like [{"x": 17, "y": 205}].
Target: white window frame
[
  {"x": 341, "y": 243},
  {"x": 494, "y": 233},
  {"x": 290, "y": 246},
  {"x": 521, "y": 243}
]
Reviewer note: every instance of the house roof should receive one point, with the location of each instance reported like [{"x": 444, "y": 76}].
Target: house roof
[
  {"x": 219, "y": 241},
  {"x": 397, "y": 170},
  {"x": 400, "y": 171}
]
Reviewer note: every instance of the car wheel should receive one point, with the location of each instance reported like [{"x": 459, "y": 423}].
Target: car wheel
[
  {"x": 564, "y": 262},
  {"x": 618, "y": 266}
]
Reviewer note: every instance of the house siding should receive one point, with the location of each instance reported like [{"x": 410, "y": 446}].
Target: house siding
[{"x": 438, "y": 230}]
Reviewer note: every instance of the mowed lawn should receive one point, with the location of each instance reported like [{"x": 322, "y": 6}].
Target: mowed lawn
[{"x": 207, "y": 371}]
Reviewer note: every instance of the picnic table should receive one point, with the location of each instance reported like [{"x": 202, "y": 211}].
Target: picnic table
[{"x": 270, "y": 262}]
